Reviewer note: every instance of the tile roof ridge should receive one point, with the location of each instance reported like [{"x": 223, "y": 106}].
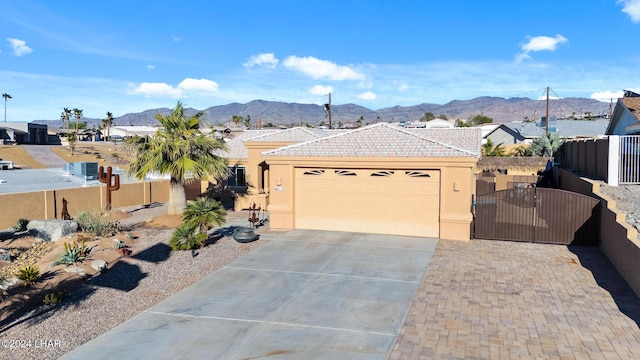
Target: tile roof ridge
[
  {"x": 309, "y": 141},
  {"x": 305, "y": 129},
  {"x": 457, "y": 148}
]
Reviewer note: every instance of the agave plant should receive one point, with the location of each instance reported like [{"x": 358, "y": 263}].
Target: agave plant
[
  {"x": 203, "y": 213},
  {"x": 546, "y": 145},
  {"x": 53, "y": 297},
  {"x": 73, "y": 253},
  {"x": 29, "y": 275},
  {"x": 186, "y": 237}
]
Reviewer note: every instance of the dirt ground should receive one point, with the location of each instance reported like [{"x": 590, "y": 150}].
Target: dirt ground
[{"x": 29, "y": 251}]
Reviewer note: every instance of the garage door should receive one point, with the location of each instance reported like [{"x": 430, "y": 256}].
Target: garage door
[{"x": 399, "y": 202}]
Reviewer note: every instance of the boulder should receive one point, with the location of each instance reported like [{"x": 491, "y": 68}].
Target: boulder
[
  {"x": 51, "y": 230},
  {"x": 99, "y": 265}
]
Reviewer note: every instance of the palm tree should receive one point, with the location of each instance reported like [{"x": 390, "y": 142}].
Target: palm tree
[
  {"x": 66, "y": 114},
  {"x": 179, "y": 150},
  {"x": 107, "y": 123},
  {"x": 522, "y": 150},
  {"x": 6, "y": 97},
  {"x": 77, "y": 113},
  {"x": 72, "y": 138},
  {"x": 546, "y": 145},
  {"x": 185, "y": 237},
  {"x": 489, "y": 149},
  {"x": 203, "y": 213}
]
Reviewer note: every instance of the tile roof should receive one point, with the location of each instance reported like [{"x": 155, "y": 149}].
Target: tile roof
[
  {"x": 564, "y": 128},
  {"x": 468, "y": 138},
  {"x": 235, "y": 145},
  {"x": 384, "y": 140},
  {"x": 294, "y": 135}
]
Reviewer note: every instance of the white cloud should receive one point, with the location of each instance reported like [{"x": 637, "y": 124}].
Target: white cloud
[
  {"x": 403, "y": 87},
  {"x": 203, "y": 85},
  {"x": 176, "y": 38},
  {"x": 165, "y": 90},
  {"x": 539, "y": 43},
  {"x": 19, "y": 47},
  {"x": 606, "y": 95},
  {"x": 320, "y": 90},
  {"x": 632, "y": 8},
  {"x": 150, "y": 67},
  {"x": 367, "y": 96},
  {"x": 267, "y": 60},
  {"x": 321, "y": 69},
  {"x": 155, "y": 89}
]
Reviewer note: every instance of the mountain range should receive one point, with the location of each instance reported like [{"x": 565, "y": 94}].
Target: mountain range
[{"x": 280, "y": 113}]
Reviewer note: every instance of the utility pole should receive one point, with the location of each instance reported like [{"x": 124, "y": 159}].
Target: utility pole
[
  {"x": 328, "y": 108},
  {"x": 547, "y": 122},
  {"x": 259, "y": 122}
]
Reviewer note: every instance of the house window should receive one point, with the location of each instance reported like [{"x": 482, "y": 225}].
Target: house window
[{"x": 237, "y": 177}]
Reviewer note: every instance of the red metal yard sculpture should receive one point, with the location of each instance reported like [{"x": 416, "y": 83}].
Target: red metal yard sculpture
[{"x": 106, "y": 178}]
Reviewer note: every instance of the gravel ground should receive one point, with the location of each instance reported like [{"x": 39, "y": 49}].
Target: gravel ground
[
  {"x": 627, "y": 199},
  {"x": 132, "y": 285}
]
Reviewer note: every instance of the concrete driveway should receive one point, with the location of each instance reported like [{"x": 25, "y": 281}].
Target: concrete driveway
[
  {"x": 45, "y": 156},
  {"x": 305, "y": 294}
]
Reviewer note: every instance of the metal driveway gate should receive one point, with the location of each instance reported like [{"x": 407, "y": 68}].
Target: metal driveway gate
[{"x": 538, "y": 215}]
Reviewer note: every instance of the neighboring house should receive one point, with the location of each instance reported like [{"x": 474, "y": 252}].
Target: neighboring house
[
  {"x": 24, "y": 133},
  {"x": 564, "y": 128},
  {"x": 500, "y": 134},
  {"x": 119, "y": 132},
  {"x": 379, "y": 179},
  {"x": 625, "y": 119}
]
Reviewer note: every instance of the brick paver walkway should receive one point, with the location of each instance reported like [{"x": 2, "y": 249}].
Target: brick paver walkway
[{"x": 506, "y": 300}]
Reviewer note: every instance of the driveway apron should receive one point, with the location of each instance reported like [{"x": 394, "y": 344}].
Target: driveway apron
[
  {"x": 302, "y": 295},
  {"x": 45, "y": 156}
]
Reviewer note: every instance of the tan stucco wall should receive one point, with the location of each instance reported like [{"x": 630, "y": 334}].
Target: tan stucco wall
[
  {"x": 456, "y": 187},
  {"x": 618, "y": 240},
  {"x": 44, "y": 205},
  {"x": 256, "y": 193}
]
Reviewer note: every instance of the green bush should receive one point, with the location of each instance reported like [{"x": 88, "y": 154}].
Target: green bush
[
  {"x": 29, "y": 275},
  {"x": 21, "y": 225},
  {"x": 73, "y": 253},
  {"x": 99, "y": 223},
  {"x": 203, "y": 213},
  {"x": 54, "y": 297},
  {"x": 186, "y": 237}
]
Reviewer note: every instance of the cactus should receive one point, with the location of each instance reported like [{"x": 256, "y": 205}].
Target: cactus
[{"x": 106, "y": 179}]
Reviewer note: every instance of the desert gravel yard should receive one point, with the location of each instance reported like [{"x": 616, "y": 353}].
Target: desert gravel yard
[{"x": 131, "y": 285}]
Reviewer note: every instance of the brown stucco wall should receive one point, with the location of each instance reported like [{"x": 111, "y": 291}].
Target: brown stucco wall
[
  {"x": 618, "y": 240},
  {"x": 44, "y": 205}
]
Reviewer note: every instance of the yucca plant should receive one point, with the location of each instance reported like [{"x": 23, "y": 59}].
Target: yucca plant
[
  {"x": 186, "y": 237},
  {"x": 29, "y": 275},
  {"x": 73, "y": 253},
  {"x": 203, "y": 213},
  {"x": 54, "y": 297}
]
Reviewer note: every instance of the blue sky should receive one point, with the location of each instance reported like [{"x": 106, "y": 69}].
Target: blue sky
[{"x": 130, "y": 56}]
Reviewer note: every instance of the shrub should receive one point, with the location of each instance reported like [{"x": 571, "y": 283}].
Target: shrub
[
  {"x": 203, "y": 213},
  {"x": 29, "y": 275},
  {"x": 54, "y": 297},
  {"x": 21, "y": 225},
  {"x": 73, "y": 253},
  {"x": 185, "y": 237},
  {"x": 99, "y": 223}
]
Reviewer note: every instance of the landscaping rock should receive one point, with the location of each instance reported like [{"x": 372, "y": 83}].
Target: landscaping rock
[
  {"x": 51, "y": 230},
  {"x": 99, "y": 265},
  {"x": 75, "y": 269},
  {"x": 5, "y": 255}
]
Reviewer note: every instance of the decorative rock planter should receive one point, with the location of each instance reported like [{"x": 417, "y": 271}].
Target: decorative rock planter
[{"x": 244, "y": 235}]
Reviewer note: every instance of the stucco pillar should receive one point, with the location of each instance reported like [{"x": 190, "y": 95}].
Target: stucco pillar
[
  {"x": 457, "y": 184},
  {"x": 281, "y": 197}
]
